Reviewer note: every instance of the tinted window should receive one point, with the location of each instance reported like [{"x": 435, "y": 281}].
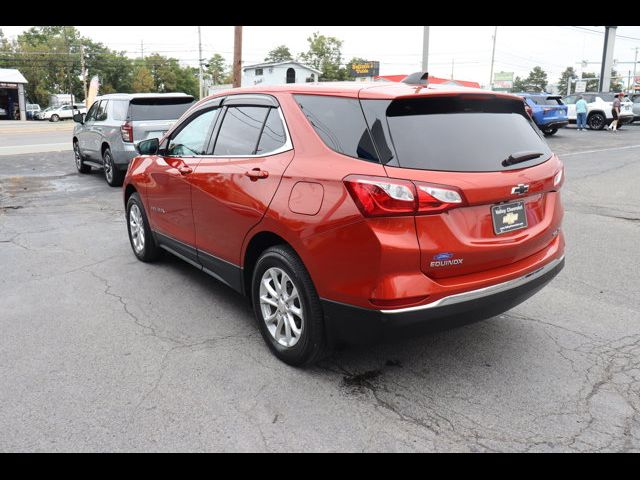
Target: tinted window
[
  {"x": 340, "y": 124},
  {"x": 470, "y": 133},
  {"x": 92, "y": 111},
  {"x": 240, "y": 131},
  {"x": 159, "y": 108},
  {"x": 119, "y": 109},
  {"x": 192, "y": 138},
  {"x": 546, "y": 100},
  {"x": 101, "y": 113},
  {"x": 273, "y": 136}
]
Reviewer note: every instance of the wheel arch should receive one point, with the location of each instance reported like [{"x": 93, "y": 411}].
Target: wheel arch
[
  {"x": 103, "y": 147},
  {"x": 128, "y": 191}
]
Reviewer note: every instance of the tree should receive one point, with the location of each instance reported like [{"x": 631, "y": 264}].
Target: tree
[
  {"x": 351, "y": 62},
  {"x": 567, "y": 75},
  {"x": 142, "y": 80},
  {"x": 535, "y": 82},
  {"x": 519, "y": 85},
  {"x": 325, "y": 55},
  {"x": 279, "y": 54},
  {"x": 616, "y": 84},
  {"x": 592, "y": 85},
  {"x": 217, "y": 69}
]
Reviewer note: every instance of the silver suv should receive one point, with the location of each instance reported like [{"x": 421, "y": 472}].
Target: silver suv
[{"x": 106, "y": 137}]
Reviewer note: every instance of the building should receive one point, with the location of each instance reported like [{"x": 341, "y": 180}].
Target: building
[
  {"x": 277, "y": 73},
  {"x": 433, "y": 80},
  {"x": 12, "y": 98}
]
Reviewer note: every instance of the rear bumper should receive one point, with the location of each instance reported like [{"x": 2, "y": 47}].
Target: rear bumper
[
  {"x": 553, "y": 124},
  {"x": 351, "y": 324}
]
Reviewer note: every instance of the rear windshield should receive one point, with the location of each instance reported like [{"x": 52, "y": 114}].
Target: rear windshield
[
  {"x": 546, "y": 100},
  {"x": 159, "y": 108},
  {"x": 463, "y": 133}
]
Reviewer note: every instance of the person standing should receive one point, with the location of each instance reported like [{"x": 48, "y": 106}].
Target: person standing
[
  {"x": 615, "y": 112},
  {"x": 581, "y": 111}
]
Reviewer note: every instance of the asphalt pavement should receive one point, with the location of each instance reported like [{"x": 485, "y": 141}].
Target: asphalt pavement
[{"x": 100, "y": 352}]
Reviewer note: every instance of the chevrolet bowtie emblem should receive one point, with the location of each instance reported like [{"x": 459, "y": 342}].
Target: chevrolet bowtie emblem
[
  {"x": 520, "y": 189},
  {"x": 510, "y": 218}
]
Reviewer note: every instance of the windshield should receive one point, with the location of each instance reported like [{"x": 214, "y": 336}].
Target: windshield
[
  {"x": 462, "y": 133},
  {"x": 546, "y": 100}
]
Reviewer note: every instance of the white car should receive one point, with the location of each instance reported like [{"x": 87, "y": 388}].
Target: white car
[
  {"x": 54, "y": 114},
  {"x": 599, "y": 106}
]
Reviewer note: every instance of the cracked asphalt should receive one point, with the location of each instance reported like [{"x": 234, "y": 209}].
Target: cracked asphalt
[{"x": 100, "y": 352}]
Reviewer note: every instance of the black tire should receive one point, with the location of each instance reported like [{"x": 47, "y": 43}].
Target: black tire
[
  {"x": 596, "y": 121},
  {"x": 79, "y": 159},
  {"x": 311, "y": 345},
  {"x": 54, "y": 118},
  {"x": 550, "y": 131},
  {"x": 112, "y": 174},
  {"x": 150, "y": 250}
]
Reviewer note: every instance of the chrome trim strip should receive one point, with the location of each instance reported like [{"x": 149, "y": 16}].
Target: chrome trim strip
[{"x": 481, "y": 292}]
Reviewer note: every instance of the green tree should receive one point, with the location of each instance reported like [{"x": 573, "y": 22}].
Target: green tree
[
  {"x": 279, "y": 54},
  {"x": 592, "y": 85},
  {"x": 142, "y": 80},
  {"x": 217, "y": 69},
  {"x": 325, "y": 55},
  {"x": 519, "y": 85},
  {"x": 187, "y": 80},
  {"x": 567, "y": 75},
  {"x": 535, "y": 82}
]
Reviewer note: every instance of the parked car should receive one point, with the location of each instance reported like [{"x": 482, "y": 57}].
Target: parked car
[
  {"x": 105, "y": 137},
  {"x": 61, "y": 112},
  {"x": 3, "y": 112},
  {"x": 296, "y": 196},
  {"x": 636, "y": 107},
  {"x": 599, "y": 105},
  {"x": 547, "y": 111},
  {"x": 32, "y": 110}
]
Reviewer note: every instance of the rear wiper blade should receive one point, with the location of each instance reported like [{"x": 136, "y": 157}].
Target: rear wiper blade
[{"x": 518, "y": 157}]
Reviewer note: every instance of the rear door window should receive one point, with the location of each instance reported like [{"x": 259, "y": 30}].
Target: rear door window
[
  {"x": 466, "y": 133},
  {"x": 159, "y": 108},
  {"x": 240, "y": 131},
  {"x": 119, "y": 109},
  {"x": 340, "y": 123},
  {"x": 273, "y": 135}
]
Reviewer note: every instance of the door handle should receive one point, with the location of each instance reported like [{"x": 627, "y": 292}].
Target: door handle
[
  {"x": 256, "y": 174},
  {"x": 185, "y": 169}
]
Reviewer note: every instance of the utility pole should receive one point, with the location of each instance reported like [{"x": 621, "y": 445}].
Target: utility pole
[
  {"x": 607, "y": 58},
  {"x": 66, "y": 41},
  {"x": 493, "y": 56},
  {"x": 199, "y": 63},
  {"x": 237, "y": 56},
  {"x": 84, "y": 75},
  {"x": 635, "y": 61},
  {"x": 425, "y": 49}
]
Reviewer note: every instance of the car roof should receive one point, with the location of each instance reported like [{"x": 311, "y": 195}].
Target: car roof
[
  {"x": 381, "y": 90},
  {"x": 129, "y": 96}
]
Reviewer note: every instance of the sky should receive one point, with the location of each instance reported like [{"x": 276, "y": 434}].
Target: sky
[{"x": 399, "y": 49}]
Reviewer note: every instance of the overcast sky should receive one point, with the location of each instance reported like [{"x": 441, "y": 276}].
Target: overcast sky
[{"x": 399, "y": 49}]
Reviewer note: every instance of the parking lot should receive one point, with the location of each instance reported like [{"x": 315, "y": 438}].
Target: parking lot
[{"x": 100, "y": 352}]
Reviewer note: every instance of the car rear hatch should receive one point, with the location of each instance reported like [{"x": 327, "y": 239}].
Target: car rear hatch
[
  {"x": 152, "y": 117},
  {"x": 482, "y": 210},
  {"x": 552, "y": 107}
]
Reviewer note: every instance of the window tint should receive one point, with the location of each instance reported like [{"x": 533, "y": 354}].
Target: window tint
[
  {"x": 240, "y": 131},
  {"x": 92, "y": 111},
  {"x": 340, "y": 124},
  {"x": 546, "y": 100},
  {"x": 119, "y": 109},
  {"x": 101, "y": 113},
  {"x": 273, "y": 136},
  {"x": 192, "y": 138},
  {"x": 462, "y": 134},
  {"x": 159, "y": 108}
]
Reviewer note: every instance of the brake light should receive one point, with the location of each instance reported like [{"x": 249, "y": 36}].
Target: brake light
[
  {"x": 126, "y": 130},
  {"x": 383, "y": 197},
  {"x": 558, "y": 178}
]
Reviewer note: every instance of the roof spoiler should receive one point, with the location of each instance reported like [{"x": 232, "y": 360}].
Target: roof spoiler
[{"x": 417, "y": 78}]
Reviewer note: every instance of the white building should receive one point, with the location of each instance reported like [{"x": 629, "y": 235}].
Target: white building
[
  {"x": 12, "y": 98},
  {"x": 276, "y": 73}
]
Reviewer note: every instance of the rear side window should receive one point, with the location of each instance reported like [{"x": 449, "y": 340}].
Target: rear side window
[
  {"x": 119, "y": 109},
  {"x": 273, "y": 136},
  {"x": 240, "y": 131},
  {"x": 101, "y": 113},
  {"x": 466, "y": 133},
  {"x": 159, "y": 108},
  {"x": 340, "y": 124}
]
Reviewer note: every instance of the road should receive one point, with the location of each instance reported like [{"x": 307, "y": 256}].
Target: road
[
  {"x": 102, "y": 352},
  {"x": 34, "y": 137}
]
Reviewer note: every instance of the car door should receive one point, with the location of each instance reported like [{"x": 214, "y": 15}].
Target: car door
[
  {"x": 66, "y": 111},
  {"x": 169, "y": 190},
  {"x": 570, "y": 102},
  {"x": 84, "y": 134},
  {"x": 232, "y": 188}
]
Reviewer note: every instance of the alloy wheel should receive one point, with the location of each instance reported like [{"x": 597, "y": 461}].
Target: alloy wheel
[
  {"x": 108, "y": 167},
  {"x": 281, "y": 307},
  {"x": 76, "y": 153},
  {"x": 136, "y": 228}
]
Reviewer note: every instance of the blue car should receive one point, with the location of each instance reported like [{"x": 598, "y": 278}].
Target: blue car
[{"x": 547, "y": 111}]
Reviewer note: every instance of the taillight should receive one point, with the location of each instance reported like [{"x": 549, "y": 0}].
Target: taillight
[
  {"x": 384, "y": 197},
  {"x": 126, "y": 130},
  {"x": 558, "y": 178}
]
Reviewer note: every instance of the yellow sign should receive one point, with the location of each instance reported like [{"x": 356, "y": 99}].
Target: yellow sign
[{"x": 510, "y": 218}]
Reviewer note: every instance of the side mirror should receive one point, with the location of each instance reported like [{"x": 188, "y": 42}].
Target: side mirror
[
  {"x": 78, "y": 117},
  {"x": 148, "y": 147}
]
